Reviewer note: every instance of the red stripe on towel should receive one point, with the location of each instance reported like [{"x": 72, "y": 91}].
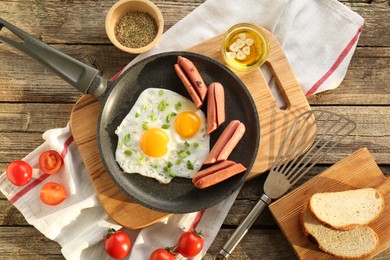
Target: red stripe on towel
[
  {"x": 41, "y": 178},
  {"x": 66, "y": 145},
  {"x": 197, "y": 219},
  {"x": 337, "y": 63}
]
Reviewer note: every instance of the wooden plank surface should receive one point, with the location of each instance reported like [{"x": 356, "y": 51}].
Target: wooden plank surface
[{"x": 25, "y": 87}]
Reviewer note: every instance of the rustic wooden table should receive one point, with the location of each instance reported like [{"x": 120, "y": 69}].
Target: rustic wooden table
[{"x": 33, "y": 100}]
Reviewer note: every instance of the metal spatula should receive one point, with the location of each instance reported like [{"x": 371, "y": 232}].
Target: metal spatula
[{"x": 311, "y": 136}]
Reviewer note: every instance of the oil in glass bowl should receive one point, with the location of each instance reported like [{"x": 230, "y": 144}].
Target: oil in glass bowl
[{"x": 245, "y": 47}]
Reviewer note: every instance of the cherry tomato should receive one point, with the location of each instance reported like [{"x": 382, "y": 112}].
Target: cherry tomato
[
  {"x": 117, "y": 244},
  {"x": 52, "y": 193},
  {"x": 162, "y": 254},
  {"x": 50, "y": 161},
  {"x": 19, "y": 172},
  {"x": 190, "y": 243}
]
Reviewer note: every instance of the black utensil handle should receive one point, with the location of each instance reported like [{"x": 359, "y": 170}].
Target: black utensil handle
[{"x": 76, "y": 73}]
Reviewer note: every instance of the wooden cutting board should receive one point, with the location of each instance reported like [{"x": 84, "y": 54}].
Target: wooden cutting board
[
  {"x": 358, "y": 170},
  {"x": 274, "y": 124}
]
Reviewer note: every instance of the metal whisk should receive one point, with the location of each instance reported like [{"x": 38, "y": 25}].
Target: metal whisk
[{"x": 312, "y": 136}]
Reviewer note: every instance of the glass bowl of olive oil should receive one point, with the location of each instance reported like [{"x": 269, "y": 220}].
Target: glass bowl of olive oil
[{"x": 245, "y": 46}]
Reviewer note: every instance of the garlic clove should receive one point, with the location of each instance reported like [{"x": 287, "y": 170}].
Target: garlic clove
[
  {"x": 249, "y": 42},
  {"x": 240, "y": 55},
  {"x": 246, "y": 50},
  {"x": 240, "y": 43},
  {"x": 242, "y": 36},
  {"x": 231, "y": 55},
  {"x": 234, "y": 47}
]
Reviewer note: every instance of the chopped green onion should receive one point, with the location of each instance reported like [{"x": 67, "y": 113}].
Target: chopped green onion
[
  {"x": 161, "y": 92},
  {"x": 178, "y": 105},
  {"x": 127, "y": 137},
  {"x": 145, "y": 125},
  {"x": 196, "y": 145},
  {"x": 169, "y": 117},
  {"x": 140, "y": 159},
  {"x": 137, "y": 114},
  {"x": 151, "y": 116},
  {"x": 169, "y": 164},
  {"x": 190, "y": 166},
  {"x": 155, "y": 166},
  {"x": 188, "y": 152},
  {"x": 187, "y": 144},
  {"x": 169, "y": 171},
  {"x": 178, "y": 162},
  {"x": 181, "y": 154},
  {"x": 165, "y": 126},
  {"x": 162, "y": 105},
  {"x": 128, "y": 152},
  {"x": 145, "y": 107}
]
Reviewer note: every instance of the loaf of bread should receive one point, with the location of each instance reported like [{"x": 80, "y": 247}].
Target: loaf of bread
[
  {"x": 354, "y": 243},
  {"x": 345, "y": 209}
]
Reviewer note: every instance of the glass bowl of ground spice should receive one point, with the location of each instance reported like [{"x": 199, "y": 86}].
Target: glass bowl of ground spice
[{"x": 134, "y": 26}]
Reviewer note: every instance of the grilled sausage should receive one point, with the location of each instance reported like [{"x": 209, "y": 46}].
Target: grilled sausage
[
  {"x": 194, "y": 96},
  {"x": 226, "y": 142},
  {"x": 212, "y": 169},
  {"x": 215, "y": 106},
  {"x": 220, "y": 103},
  {"x": 233, "y": 141},
  {"x": 193, "y": 76},
  {"x": 219, "y": 175}
]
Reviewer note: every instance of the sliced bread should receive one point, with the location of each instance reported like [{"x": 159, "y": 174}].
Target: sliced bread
[
  {"x": 345, "y": 209},
  {"x": 354, "y": 243}
]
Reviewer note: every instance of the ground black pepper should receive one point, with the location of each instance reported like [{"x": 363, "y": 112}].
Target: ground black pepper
[{"x": 136, "y": 29}]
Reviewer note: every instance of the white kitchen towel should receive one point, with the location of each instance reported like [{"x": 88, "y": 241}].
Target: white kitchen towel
[{"x": 319, "y": 38}]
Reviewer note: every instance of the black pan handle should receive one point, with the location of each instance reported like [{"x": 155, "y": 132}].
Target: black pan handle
[{"x": 76, "y": 73}]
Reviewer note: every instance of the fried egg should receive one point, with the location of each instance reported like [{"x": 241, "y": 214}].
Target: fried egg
[{"x": 162, "y": 137}]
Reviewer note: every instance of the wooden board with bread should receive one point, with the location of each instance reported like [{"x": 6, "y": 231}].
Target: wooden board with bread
[
  {"x": 338, "y": 221},
  {"x": 346, "y": 182}
]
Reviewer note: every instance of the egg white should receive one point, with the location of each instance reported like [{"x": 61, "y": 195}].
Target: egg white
[{"x": 158, "y": 108}]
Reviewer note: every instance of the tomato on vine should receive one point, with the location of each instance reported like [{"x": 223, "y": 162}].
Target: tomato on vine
[
  {"x": 190, "y": 243},
  {"x": 117, "y": 244},
  {"x": 162, "y": 254}
]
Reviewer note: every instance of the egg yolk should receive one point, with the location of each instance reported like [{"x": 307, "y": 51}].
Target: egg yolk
[
  {"x": 154, "y": 142},
  {"x": 187, "y": 124}
]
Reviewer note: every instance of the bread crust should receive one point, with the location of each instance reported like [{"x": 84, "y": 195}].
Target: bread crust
[
  {"x": 313, "y": 240},
  {"x": 350, "y": 226},
  {"x": 305, "y": 231}
]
